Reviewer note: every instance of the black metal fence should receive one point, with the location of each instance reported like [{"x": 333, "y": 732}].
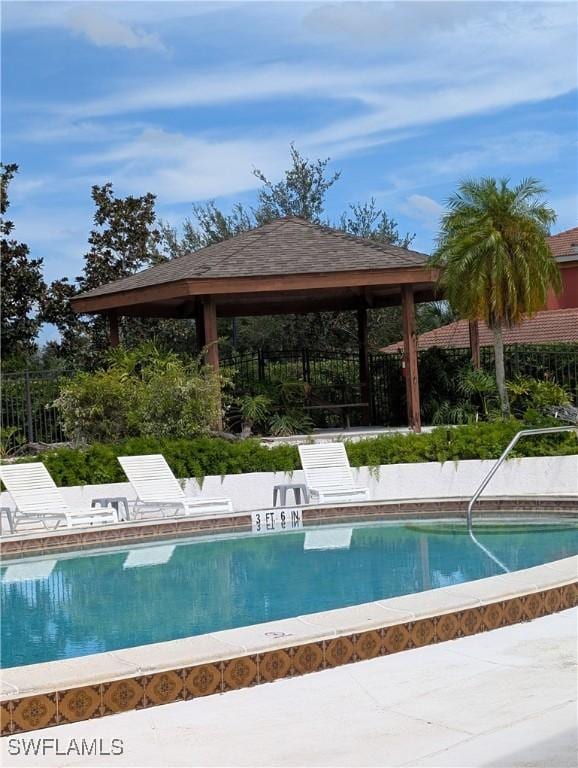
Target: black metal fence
[
  {"x": 334, "y": 376},
  {"x": 319, "y": 368},
  {"x": 387, "y": 390},
  {"x": 27, "y": 405},
  {"x": 557, "y": 362},
  {"x": 333, "y": 379},
  {"x": 439, "y": 368}
]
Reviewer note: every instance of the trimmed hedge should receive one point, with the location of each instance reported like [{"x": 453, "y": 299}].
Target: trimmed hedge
[{"x": 204, "y": 456}]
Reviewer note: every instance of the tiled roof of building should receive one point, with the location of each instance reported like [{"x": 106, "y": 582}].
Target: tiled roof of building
[
  {"x": 289, "y": 246},
  {"x": 547, "y": 327},
  {"x": 565, "y": 243}
]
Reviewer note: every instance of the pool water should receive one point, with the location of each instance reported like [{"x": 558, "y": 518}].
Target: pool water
[{"x": 65, "y": 606}]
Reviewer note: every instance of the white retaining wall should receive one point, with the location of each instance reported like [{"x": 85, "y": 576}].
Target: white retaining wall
[{"x": 556, "y": 475}]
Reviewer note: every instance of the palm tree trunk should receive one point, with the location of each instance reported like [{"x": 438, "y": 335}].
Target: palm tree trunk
[{"x": 501, "y": 371}]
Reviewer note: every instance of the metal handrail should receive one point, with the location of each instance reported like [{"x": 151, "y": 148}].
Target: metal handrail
[{"x": 500, "y": 461}]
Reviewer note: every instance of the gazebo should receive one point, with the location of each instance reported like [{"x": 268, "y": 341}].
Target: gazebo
[{"x": 289, "y": 266}]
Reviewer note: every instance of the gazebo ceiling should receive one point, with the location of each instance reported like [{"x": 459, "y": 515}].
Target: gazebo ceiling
[{"x": 287, "y": 266}]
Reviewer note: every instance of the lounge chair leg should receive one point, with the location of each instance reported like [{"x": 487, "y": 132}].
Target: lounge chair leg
[{"x": 9, "y": 517}]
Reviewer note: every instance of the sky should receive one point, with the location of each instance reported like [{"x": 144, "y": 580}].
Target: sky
[{"x": 184, "y": 99}]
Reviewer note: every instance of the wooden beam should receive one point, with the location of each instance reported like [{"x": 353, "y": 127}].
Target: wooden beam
[
  {"x": 284, "y": 306},
  {"x": 254, "y": 306},
  {"x": 290, "y": 303},
  {"x": 363, "y": 362},
  {"x": 113, "y": 332},
  {"x": 410, "y": 358},
  {"x": 475, "y": 343},
  {"x": 260, "y": 284}
]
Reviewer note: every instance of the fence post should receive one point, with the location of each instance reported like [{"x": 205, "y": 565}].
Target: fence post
[
  {"x": 305, "y": 364},
  {"x": 261, "y": 364},
  {"x": 28, "y": 395}
]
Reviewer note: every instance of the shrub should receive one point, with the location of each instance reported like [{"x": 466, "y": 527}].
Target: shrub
[
  {"x": 141, "y": 393},
  {"x": 294, "y": 422},
  {"x": 11, "y": 440},
  {"x": 528, "y": 398},
  {"x": 204, "y": 455},
  {"x": 273, "y": 407},
  {"x": 534, "y": 394},
  {"x": 95, "y": 406}
]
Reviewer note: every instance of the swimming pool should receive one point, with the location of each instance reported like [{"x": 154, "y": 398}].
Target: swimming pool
[{"x": 66, "y": 606}]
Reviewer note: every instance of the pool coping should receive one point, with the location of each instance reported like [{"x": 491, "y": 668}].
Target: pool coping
[
  {"x": 63, "y": 540},
  {"x": 58, "y": 692}
]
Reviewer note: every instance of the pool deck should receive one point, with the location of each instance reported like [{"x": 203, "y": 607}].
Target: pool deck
[
  {"x": 504, "y": 698},
  {"x": 353, "y": 434}
]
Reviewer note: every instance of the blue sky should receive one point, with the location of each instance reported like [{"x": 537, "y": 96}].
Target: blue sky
[{"x": 182, "y": 99}]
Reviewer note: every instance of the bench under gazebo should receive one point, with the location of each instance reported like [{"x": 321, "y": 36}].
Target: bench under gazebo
[{"x": 289, "y": 266}]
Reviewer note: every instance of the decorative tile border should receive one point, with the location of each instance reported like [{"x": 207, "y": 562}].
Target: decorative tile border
[
  {"x": 141, "y": 531},
  {"x": 139, "y": 692}
]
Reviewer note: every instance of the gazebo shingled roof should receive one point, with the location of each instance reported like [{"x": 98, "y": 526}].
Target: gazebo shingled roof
[
  {"x": 285, "y": 246},
  {"x": 289, "y": 266}
]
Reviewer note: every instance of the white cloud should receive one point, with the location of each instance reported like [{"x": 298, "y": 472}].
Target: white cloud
[
  {"x": 385, "y": 71},
  {"x": 28, "y": 14},
  {"x": 104, "y": 30},
  {"x": 384, "y": 114},
  {"x": 422, "y": 209},
  {"x": 180, "y": 168},
  {"x": 484, "y": 155},
  {"x": 181, "y": 90},
  {"x": 426, "y": 24},
  {"x": 358, "y": 23},
  {"x": 22, "y": 187},
  {"x": 424, "y": 106},
  {"x": 76, "y": 131},
  {"x": 519, "y": 147},
  {"x": 57, "y": 234},
  {"x": 490, "y": 57}
]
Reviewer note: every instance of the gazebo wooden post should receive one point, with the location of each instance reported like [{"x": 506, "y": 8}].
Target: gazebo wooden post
[
  {"x": 113, "y": 333},
  {"x": 475, "y": 343},
  {"x": 211, "y": 334},
  {"x": 211, "y": 340},
  {"x": 363, "y": 363},
  {"x": 410, "y": 358}
]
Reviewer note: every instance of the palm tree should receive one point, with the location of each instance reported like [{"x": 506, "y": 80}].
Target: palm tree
[{"x": 495, "y": 261}]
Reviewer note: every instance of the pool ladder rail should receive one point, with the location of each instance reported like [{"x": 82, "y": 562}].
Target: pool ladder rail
[{"x": 494, "y": 469}]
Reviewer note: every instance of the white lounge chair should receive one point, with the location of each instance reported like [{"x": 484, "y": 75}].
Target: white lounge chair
[
  {"x": 328, "y": 474},
  {"x": 157, "y": 489},
  {"x": 37, "y": 498}
]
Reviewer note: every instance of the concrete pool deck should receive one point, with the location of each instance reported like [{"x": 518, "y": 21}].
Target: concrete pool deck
[{"x": 505, "y": 698}]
